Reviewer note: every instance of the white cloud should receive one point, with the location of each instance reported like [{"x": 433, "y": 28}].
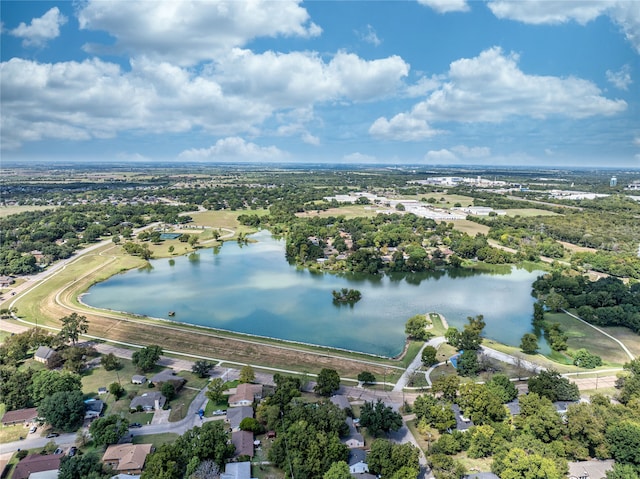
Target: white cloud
[
  {"x": 96, "y": 99},
  {"x": 441, "y": 156},
  {"x": 472, "y": 152},
  {"x": 370, "y": 36},
  {"x": 446, "y": 6},
  {"x": 620, "y": 79},
  {"x": 41, "y": 30},
  {"x": 625, "y": 13},
  {"x": 491, "y": 88},
  {"x": 190, "y": 31},
  {"x": 233, "y": 149},
  {"x": 403, "y": 127},
  {"x": 359, "y": 158},
  {"x": 424, "y": 85}
]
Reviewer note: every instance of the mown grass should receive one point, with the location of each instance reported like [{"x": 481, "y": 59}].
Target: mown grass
[
  {"x": 528, "y": 212},
  {"x": 156, "y": 439},
  {"x": 15, "y": 209},
  {"x": 584, "y": 336},
  {"x": 469, "y": 227}
]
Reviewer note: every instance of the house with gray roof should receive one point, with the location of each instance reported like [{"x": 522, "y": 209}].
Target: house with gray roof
[
  {"x": 237, "y": 470},
  {"x": 341, "y": 401},
  {"x": 243, "y": 441},
  {"x": 462, "y": 423},
  {"x": 44, "y": 354},
  {"x": 235, "y": 415},
  {"x": 152, "y": 401},
  {"x": 590, "y": 469},
  {"x": 354, "y": 438}
]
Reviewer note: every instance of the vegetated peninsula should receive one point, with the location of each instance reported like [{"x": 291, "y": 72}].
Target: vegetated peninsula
[{"x": 404, "y": 221}]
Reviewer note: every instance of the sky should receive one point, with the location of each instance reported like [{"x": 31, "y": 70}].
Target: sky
[{"x": 425, "y": 82}]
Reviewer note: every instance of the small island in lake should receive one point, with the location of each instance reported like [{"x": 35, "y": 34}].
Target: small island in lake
[{"x": 345, "y": 295}]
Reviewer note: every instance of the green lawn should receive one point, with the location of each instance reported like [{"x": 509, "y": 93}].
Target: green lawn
[
  {"x": 584, "y": 336},
  {"x": 156, "y": 439}
]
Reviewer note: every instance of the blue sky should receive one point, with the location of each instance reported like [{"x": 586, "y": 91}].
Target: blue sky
[{"x": 431, "y": 82}]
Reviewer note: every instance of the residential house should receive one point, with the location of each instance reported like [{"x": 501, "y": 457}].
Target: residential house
[
  {"x": 245, "y": 395},
  {"x": 126, "y": 476},
  {"x": 354, "y": 438},
  {"x": 482, "y": 475},
  {"x": 462, "y": 423},
  {"x": 6, "y": 281},
  {"x": 341, "y": 401},
  {"x": 102, "y": 390},
  {"x": 590, "y": 469},
  {"x": 167, "y": 375},
  {"x": 153, "y": 401},
  {"x": 93, "y": 408},
  {"x": 138, "y": 379},
  {"x": 243, "y": 441},
  {"x": 53, "y": 474},
  {"x": 236, "y": 415},
  {"x": 237, "y": 470},
  {"x": 127, "y": 458},
  {"x": 19, "y": 416},
  {"x": 36, "y": 463},
  {"x": 44, "y": 354},
  {"x": 358, "y": 462}
]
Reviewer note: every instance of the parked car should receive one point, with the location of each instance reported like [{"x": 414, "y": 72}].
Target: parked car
[
  {"x": 52, "y": 434},
  {"x": 135, "y": 425},
  {"x": 58, "y": 451},
  {"x": 33, "y": 429},
  {"x": 72, "y": 451},
  {"x": 218, "y": 412}
]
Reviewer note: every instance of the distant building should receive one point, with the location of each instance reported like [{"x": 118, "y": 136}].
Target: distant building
[{"x": 613, "y": 182}]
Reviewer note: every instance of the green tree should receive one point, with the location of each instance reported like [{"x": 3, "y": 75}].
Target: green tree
[
  {"x": 215, "y": 390},
  {"x": 201, "y": 368},
  {"x": 539, "y": 418},
  {"x": 110, "y": 362},
  {"x": 84, "y": 466},
  {"x": 480, "y": 404},
  {"x": 448, "y": 386},
  {"x": 555, "y": 302},
  {"x": 379, "y": 418},
  {"x": 168, "y": 390},
  {"x": 416, "y": 327},
  {"x": 468, "y": 364},
  {"x": 482, "y": 441},
  {"x": 327, "y": 383},
  {"x": 446, "y": 467},
  {"x": 338, "y": 470},
  {"x": 108, "y": 430},
  {"x": 116, "y": 390},
  {"x": 46, "y": 383},
  {"x": 624, "y": 440},
  {"x": 584, "y": 359},
  {"x": 622, "y": 471},
  {"x": 247, "y": 374},
  {"x": 553, "y": 386},
  {"x": 429, "y": 356},
  {"x": 501, "y": 386},
  {"x": 529, "y": 343},
  {"x": 366, "y": 377},
  {"x": 386, "y": 458},
  {"x": 64, "y": 410},
  {"x": 73, "y": 326},
  {"x": 14, "y": 387},
  {"x": 517, "y": 464},
  {"x": 251, "y": 424},
  {"x": 146, "y": 358}
]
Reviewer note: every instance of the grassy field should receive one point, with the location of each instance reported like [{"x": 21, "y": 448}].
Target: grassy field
[
  {"x": 12, "y": 210},
  {"x": 348, "y": 211},
  {"x": 584, "y": 336},
  {"x": 156, "y": 439},
  {"x": 469, "y": 227},
  {"x": 223, "y": 218},
  {"x": 527, "y": 212}
]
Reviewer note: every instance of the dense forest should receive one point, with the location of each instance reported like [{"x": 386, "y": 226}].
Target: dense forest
[{"x": 606, "y": 302}]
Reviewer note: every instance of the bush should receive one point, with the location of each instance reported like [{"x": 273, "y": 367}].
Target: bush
[{"x": 21, "y": 454}]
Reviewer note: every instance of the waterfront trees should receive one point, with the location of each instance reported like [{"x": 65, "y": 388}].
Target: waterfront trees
[
  {"x": 73, "y": 326},
  {"x": 327, "y": 383}
]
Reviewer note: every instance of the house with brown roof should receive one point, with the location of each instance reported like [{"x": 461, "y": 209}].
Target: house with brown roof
[
  {"x": 44, "y": 354},
  {"x": 36, "y": 463},
  {"x": 243, "y": 441},
  {"x": 127, "y": 458},
  {"x": 245, "y": 395},
  {"x": 19, "y": 416}
]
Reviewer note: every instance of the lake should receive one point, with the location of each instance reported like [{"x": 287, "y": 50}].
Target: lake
[{"x": 253, "y": 289}]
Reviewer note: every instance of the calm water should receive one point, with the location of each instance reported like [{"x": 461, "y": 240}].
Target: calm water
[{"x": 252, "y": 289}]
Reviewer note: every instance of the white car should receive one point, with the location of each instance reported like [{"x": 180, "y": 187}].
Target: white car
[{"x": 33, "y": 429}]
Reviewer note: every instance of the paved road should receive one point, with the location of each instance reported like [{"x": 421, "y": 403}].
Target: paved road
[{"x": 417, "y": 364}]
